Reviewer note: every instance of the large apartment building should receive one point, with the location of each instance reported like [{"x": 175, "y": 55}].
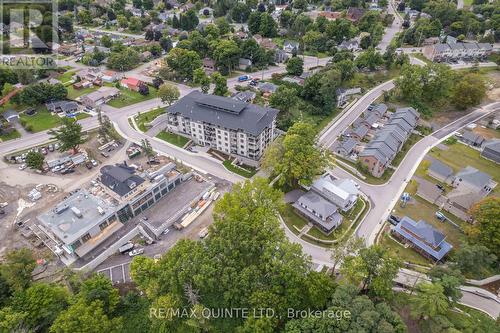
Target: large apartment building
[{"x": 239, "y": 129}]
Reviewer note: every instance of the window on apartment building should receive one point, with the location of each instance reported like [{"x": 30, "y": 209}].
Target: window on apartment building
[
  {"x": 76, "y": 244},
  {"x": 103, "y": 225},
  {"x": 86, "y": 237},
  {"x": 112, "y": 219}
]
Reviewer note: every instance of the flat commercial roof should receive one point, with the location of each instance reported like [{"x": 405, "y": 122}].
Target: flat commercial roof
[{"x": 63, "y": 222}]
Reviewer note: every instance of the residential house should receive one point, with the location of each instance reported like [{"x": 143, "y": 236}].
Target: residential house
[
  {"x": 322, "y": 202},
  {"x": 331, "y": 16},
  {"x": 381, "y": 150},
  {"x": 280, "y": 56},
  {"x": 491, "y": 150},
  {"x": 457, "y": 51},
  {"x": 346, "y": 147},
  {"x": 92, "y": 75},
  {"x": 343, "y": 94},
  {"x": 66, "y": 107},
  {"x": 10, "y": 116},
  {"x": 110, "y": 76},
  {"x": 209, "y": 65},
  {"x": 440, "y": 171},
  {"x": 473, "y": 179},
  {"x": 242, "y": 35},
  {"x": 239, "y": 129},
  {"x": 430, "y": 192},
  {"x": 471, "y": 138},
  {"x": 423, "y": 237},
  {"x": 354, "y": 14},
  {"x": 245, "y": 96},
  {"x": 291, "y": 46},
  {"x": 358, "y": 132},
  {"x": 131, "y": 83},
  {"x": 267, "y": 87},
  {"x": 266, "y": 43},
  {"x": 100, "y": 96},
  {"x": 350, "y": 45},
  {"x": 244, "y": 64}
]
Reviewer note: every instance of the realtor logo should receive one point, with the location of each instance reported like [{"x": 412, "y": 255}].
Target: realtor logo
[{"x": 28, "y": 33}]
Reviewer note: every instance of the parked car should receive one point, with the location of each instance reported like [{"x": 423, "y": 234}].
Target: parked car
[
  {"x": 439, "y": 186},
  {"x": 243, "y": 78},
  {"x": 66, "y": 171},
  {"x": 51, "y": 147},
  {"x": 104, "y": 154},
  {"x": 57, "y": 145},
  {"x": 23, "y": 166},
  {"x": 125, "y": 248},
  {"x": 136, "y": 252},
  {"x": 203, "y": 233},
  {"x": 393, "y": 219},
  {"x": 166, "y": 231},
  {"x": 88, "y": 165},
  {"x": 94, "y": 162}
]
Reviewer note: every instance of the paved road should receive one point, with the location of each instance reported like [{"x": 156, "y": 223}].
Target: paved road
[
  {"x": 392, "y": 30},
  {"x": 111, "y": 32}
]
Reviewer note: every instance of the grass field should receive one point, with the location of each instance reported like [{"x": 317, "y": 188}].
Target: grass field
[
  {"x": 147, "y": 117},
  {"x": 75, "y": 93},
  {"x": 246, "y": 172},
  {"x": 128, "y": 97},
  {"x": 399, "y": 251},
  {"x": 291, "y": 219},
  {"x": 42, "y": 120},
  {"x": 172, "y": 138},
  {"x": 66, "y": 76},
  {"x": 458, "y": 156},
  {"x": 11, "y": 136}
]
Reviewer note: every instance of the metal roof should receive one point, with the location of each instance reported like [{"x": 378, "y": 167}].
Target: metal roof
[{"x": 252, "y": 118}]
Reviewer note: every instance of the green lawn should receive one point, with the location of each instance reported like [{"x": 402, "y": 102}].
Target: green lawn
[
  {"x": 82, "y": 115},
  {"x": 146, "y": 117},
  {"x": 11, "y": 136},
  {"x": 75, "y": 93},
  {"x": 246, "y": 172},
  {"x": 42, "y": 120},
  {"x": 458, "y": 156},
  {"x": 399, "y": 251},
  {"x": 175, "y": 139},
  {"x": 413, "y": 139},
  {"x": 291, "y": 219},
  {"x": 66, "y": 76},
  {"x": 420, "y": 56},
  {"x": 128, "y": 97}
]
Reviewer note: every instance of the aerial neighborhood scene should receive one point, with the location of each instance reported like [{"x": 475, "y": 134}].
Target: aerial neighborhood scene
[{"x": 296, "y": 166}]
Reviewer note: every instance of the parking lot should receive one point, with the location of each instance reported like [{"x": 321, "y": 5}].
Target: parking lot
[{"x": 118, "y": 273}]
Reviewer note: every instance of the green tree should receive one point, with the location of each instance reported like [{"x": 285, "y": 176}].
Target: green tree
[
  {"x": 296, "y": 157},
  {"x": 284, "y": 99},
  {"x": 370, "y": 59},
  {"x": 430, "y": 301},
  {"x": 474, "y": 258},
  {"x": 106, "y": 41},
  {"x": 486, "y": 230},
  {"x": 69, "y": 135},
  {"x": 168, "y": 93},
  {"x": 254, "y": 22},
  {"x": 240, "y": 12},
  {"x": 124, "y": 60},
  {"x": 295, "y": 66},
  {"x": 82, "y": 317},
  {"x": 201, "y": 78},
  {"x": 226, "y": 54},
  {"x": 34, "y": 160},
  {"x": 147, "y": 148},
  {"x": 468, "y": 91},
  {"x": 135, "y": 24},
  {"x": 268, "y": 26},
  {"x": 17, "y": 268},
  {"x": 43, "y": 303},
  {"x": 183, "y": 62},
  {"x": 99, "y": 288},
  {"x": 375, "y": 268},
  {"x": 346, "y": 68},
  {"x": 220, "y": 84},
  {"x": 341, "y": 250}
]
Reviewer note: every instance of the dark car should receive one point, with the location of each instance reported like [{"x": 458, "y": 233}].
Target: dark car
[
  {"x": 393, "y": 219},
  {"x": 66, "y": 171},
  {"x": 89, "y": 165},
  {"x": 439, "y": 186}
]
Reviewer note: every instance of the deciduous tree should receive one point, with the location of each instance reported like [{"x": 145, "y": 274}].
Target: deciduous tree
[
  {"x": 69, "y": 135},
  {"x": 168, "y": 93},
  {"x": 34, "y": 160},
  {"x": 486, "y": 230}
]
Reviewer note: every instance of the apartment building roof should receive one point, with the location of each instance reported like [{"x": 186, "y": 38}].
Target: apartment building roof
[
  {"x": 225, "y": 112},
  {"x": 76, "y": 215}
]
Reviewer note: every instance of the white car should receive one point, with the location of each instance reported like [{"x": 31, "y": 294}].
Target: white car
[
  {"x": 23, "y": 166},
  {"x": 166, "y": 231},
  {"x": 94, "y": 162},
  {"x": 136, "y": 252}
]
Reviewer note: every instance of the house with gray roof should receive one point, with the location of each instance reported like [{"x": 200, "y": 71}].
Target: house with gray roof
[
  {"x": 10, "y": 116},
  {"x": 474, "y": 180},
  {"x": 358, "y": 133},
  {"x": 440, "y": 171},
  {"x": 121, "y": 180},
  {"x": 245, "y": 96},
  {"x": 66, "y": 107},
  {"x": 239, "y": 129},
  {"x": 471, "y": 138},
  {"x": 423, "y": 237},
  {"x": 381, "y": 150},
  {"x": 491, "y": 150},
  {"x": 346, "y": 147},
  {"x": 322, "y": 202}
]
